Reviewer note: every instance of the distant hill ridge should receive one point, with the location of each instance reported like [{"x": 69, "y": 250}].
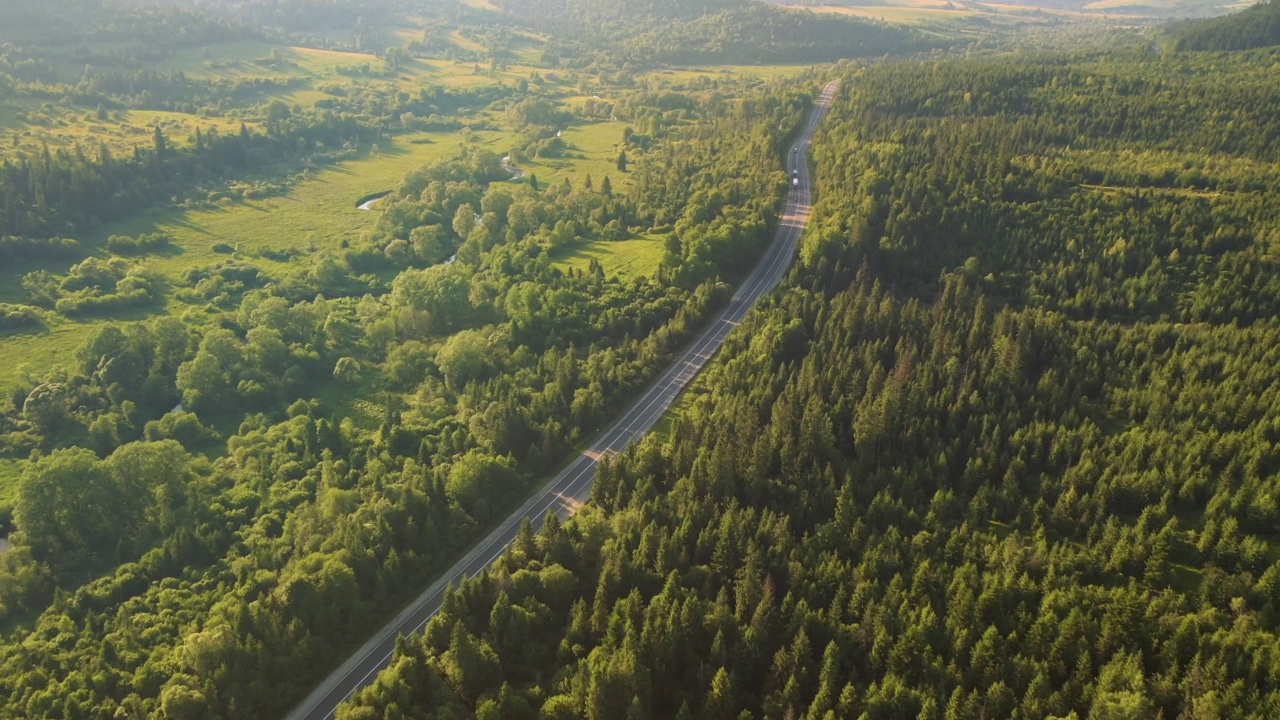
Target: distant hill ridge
[{"x": 733, "y": 31}]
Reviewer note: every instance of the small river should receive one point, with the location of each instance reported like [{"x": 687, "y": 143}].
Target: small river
[
  {"x": 367, "y": 203},
  {"x": 516, "y": 174}
]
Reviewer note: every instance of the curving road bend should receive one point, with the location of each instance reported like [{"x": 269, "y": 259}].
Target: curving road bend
[{"x": 568, "y": 490}]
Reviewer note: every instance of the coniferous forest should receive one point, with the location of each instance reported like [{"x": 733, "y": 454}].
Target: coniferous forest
[
  {"x": 1004, "y": 447},
  {"x": 1255, "y": 27}
]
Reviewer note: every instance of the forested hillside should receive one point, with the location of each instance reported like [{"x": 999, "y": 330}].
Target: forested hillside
[
  {"x": 1254, "y": 27},
  {"x": 726, "y": 31},
  {"x": 1005, "y": 447}
]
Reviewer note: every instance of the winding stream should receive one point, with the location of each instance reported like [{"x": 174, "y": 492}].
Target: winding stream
[
  {"x": 367, "y": 202},
  {"x": 516, "y": 173}
]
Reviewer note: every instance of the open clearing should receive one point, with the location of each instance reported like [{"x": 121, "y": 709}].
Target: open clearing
[
  {"x": 1164, "y": 8},
  {"x": 590, "y": 149},
  {"x": 904, "y": 11},
  {"x": 637, "y": 257},
  {"x": 317, "y": 212},
  {"x": 10, "y": 472},
  {"x": 678, "y": 76},
  {"x": 302, "y": 76}
]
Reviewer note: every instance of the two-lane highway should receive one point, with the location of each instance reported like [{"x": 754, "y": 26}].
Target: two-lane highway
[{"x": 568, "y": 490}]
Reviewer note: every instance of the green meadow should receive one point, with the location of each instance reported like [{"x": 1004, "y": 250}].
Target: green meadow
[
  {"x": 590, "y": 149},
  {"x": 317, "y": 212},
  {"x": 637, "y": 257},
  {"x": 684, "y": 76},
  {"x": 10, "y": 473}
]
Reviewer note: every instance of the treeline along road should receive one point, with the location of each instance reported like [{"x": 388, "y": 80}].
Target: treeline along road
[{"x": 569, "y": 489}]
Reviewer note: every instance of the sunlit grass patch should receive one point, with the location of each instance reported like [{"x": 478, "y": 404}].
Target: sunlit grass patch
[
  {"x": 316, "y": 213},
  {"x": 721, "y": 72},
  {"x": 637, "y": 257},
  {"x": 10, "y": 473},
  {"x": 39, "y": 352},
  {"x": 590, "y": 149}
]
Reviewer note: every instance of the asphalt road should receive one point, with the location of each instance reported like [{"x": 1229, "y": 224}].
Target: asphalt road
[{"x": 568, "y": 490}]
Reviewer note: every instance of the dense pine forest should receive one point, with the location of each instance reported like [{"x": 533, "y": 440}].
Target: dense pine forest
[
  {"x": 1254, "y": 27},
  {"x": 1005, "y": 446}
]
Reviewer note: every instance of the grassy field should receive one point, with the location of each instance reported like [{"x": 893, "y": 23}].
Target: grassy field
[
  {"x": 31, "y": 126},
  {"x": 318, "y": 212},
  {"x": 919, "y": 12},
  {"x": 681, "y": 76},
  {"x": 1168, "y": 8},
  {"x": 637, "y": 257},
  {"x": 10, "y": 471},
  {"x": 590, "y": 149},
  {"x": 27, "y": 126},
  {"x": 907, "y": 11},
  {"x": 37, "y": 353}
]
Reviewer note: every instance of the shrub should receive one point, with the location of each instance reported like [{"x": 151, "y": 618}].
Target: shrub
[
  {"x": 125, "y": 245},
  {"x": 18, "y": 317}
]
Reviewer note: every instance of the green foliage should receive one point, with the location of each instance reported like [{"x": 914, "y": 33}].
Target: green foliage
[
  {"x": 73, "y": 507},
  {"x": 707, "y": 31},
  {"x": 476, "y": 479},
  {"x": 1254, "y": 27},
  {"x": 184, "y": 427},
  {"x": 19, "y": 317},
  {"x": 1004, "y": 446},
  {"x": 46, "y": 406},
  {"x": 466, "y": 356},
  {"x": 445, "y": 385},
  {"x": 151, "y": 243}
]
